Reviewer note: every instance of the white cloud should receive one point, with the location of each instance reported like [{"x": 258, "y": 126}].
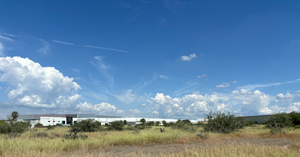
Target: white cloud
[
  {"x": 254, "y": 86},
  {"x": 62, "y": 42},
  {"x": 192, "y": 105},
  {"x": 30, "y": 84},
  {"x": 164, "y": 77},
  {"x": 155, "y": 112},
  {"x": 233, "y": 81},
  {"x": 134, "y": 111},
  {"x": 252, "y": 103},
  {"x": 298, "y": 91},
  {"x": 10, "y": 35},
  {"x": 126, "y": 97},
  {"x": 1, "y": 50},
  {"x": 104, "y": 48},
  {"x": 76, "y": 70},
  {"x": 6, "y": 38},
  {"x": 102, "y": 108},
  {"x": 224, "y": 85},
  {"x": 188, "y": 58},
  {"x": 45, "y": 49},
  {"x": 199, "y": 76},
  {"x": 203, "y": 75},
  {"x": 143, "y": 105}
]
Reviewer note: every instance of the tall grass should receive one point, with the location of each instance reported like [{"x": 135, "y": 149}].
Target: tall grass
[{"x": 54, "y": 145}]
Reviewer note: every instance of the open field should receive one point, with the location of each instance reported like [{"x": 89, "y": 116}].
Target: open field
[{"x": 251, "y": 141}]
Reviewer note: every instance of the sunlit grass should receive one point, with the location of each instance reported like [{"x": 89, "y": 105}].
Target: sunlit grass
[{"x": 55, "y": 144}]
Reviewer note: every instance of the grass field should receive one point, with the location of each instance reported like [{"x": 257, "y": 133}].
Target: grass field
[{"x": 251, "y": 141}]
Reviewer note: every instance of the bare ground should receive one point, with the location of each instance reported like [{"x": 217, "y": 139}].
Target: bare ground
[{"x": 165, "y": 149}]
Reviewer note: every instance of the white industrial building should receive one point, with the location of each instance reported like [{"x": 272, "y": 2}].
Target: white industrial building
[{"x": 70, "y": 119}]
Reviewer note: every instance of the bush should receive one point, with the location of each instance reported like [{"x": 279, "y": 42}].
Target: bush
[
  {"x": 188, "y": 128},
  {"x": 38, "y": 125},
  {"x": 140, "y": 126},
  {"x": 186, "y": 121},
  {"x": 50, "y": 127},
  {"x": 130, "y": 128},
  {"x": 295, "y": 118},
  {"x": 279, "y": 120},
  {"x": 13, "y": 127},
  {"x": 180, "y": 124},
  {"x": 157, "y": 123},
  {"x": 222, "y": 123},
  {"x": 199, "y": 124},
  {"x": 165, "y": 123},
  {"x": 73, "y": 134},
  {"x": 88, "y": 126},
  {"x": 171, "y": 124},
  {"x": 116, "y": 125}
]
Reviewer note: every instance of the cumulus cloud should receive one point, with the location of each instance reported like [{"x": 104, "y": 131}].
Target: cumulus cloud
[
  {"x": 143, "y": 105},
  {"x": 252, "y": 103},
  {"x": 233, "y": 81},
  {"x": 155, "y": 112},
  {"x": 298, "y": 91},
  {"x": 62, "y": 42},
  {"x": 193, "y": 105},
  {"x": 224, "y": 85},
  {"x": 188, "y": 58},
  {"x": 33, "y": 85},
  {"x": 284, "y": 98},
  {"x": 164, "y": 77},
  {"x": 1, "y": 50},
  {"x": 102, "y": 108}
]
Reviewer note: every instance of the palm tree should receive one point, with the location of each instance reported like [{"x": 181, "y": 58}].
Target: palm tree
[{"x": 14, "y": 115}]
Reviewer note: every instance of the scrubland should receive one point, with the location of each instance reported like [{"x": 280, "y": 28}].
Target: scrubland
[{"x": 250, "y": 141}]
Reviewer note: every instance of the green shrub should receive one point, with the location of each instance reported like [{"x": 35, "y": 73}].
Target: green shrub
[
  {"x": 73, "y": 134},
  {"x": 50, "y": 127},
  {"x": 116, "y": 125},
  {"x": 199, "y": 124},
  {"x": 189, "y": 128},
  {"x": 295, "y": 118},
  {"x": 171, "y": 124},
  {"x": 140, "y": 126},
  {"x": 143, "y": 120},
  {"x": 157, "y": 123},
  {"x": 180, "y": 124},
  {"x": 125, "y": 122},
  {"x": 222, "y": 123},
  {"x": 13, "y": 127},
  {"x": 88, "y": 125},
  {"x": 279, "y": 120},
  {"x": 165, "y": 123},
  {"x": 130, "y": 128},
  {"x": 297, "y": 126},
  {"x": 38, "y": 125},
  {"x": 186, "y": 121}
]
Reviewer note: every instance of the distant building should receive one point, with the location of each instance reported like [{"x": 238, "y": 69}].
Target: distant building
[{"x": 70, "y": 119}]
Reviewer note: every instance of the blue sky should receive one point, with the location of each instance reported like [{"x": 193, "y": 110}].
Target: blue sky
[{"x": 163, "y": 58}]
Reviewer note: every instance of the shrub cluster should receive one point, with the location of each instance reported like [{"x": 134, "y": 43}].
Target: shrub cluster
[
  {"x": 223, "y": 123},
  {"x": 278, "y": 122},
  {"x": 88, "y": 126},
  {"x": 13, "y": 126},
  {"x": 117, "y": 125}
]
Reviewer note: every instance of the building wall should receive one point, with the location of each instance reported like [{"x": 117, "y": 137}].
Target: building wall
[{"x": 258, "y": 119}]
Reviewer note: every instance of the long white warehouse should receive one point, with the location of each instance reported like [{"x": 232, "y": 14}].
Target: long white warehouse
[{"x": 70, "y": 119}]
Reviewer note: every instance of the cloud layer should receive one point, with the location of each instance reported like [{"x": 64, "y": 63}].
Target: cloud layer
[{"x": 188, "y": 58}]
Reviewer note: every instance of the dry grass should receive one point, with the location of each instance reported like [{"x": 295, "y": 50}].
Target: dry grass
[{"x": 99, "y": 142}]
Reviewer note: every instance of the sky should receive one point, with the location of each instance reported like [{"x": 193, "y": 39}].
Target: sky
[{"x": 150, "y": 58}]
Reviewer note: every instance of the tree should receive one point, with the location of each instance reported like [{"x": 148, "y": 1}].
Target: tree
[
  {"x": 125, "y": 122},
  {"x": 14, "y": 115},
  {"x": 186, "y": 121},
  {"x": 157, "y": 123},
  {"x": 165, "y": 123},
  {"x": 143, "y": 120}
]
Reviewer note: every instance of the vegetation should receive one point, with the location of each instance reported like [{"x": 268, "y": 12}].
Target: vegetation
[
  {"x": 223, "y": 123},
  {"x": 143, "y": 120},
  {"x": 117, "y": 125},
  {"x": 13, "y": 126},
  {"x": 295, "y": 118},
  {"x": 38, "y": 125}
]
